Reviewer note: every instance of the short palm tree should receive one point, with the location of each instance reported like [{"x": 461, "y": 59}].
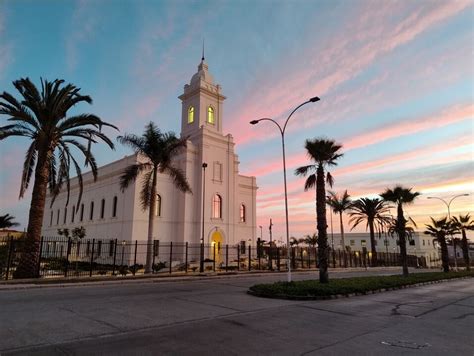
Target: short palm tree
[
  {"x": 41, "y": 117},
  {"x": 463, "y": 223},
  {"x": 374, "y": 212},
  {"x": 6, "y": 221},
  {"x": 323, "y": 153},
  {"x": 155, "y": 152},
  {"x": 311, "y": 240},
  {"x": 439, "y": 229},
  {"x": 339, "y": 205},
  {"x": 401, "y": 196}
]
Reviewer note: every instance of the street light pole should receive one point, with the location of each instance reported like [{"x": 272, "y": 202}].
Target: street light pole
[
  {"x": 201, "y": 261},
  {"x": 282, "y": 132},
  {"x": 448, "y": 205}
]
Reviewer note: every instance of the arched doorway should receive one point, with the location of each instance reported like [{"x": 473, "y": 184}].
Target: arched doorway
[{"x": 217, "y": 243}]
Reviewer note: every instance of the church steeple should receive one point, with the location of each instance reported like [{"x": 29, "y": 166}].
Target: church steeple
[{"x": 201, "y": 102}]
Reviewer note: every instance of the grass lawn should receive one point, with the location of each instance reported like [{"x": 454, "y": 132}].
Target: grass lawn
[{"x": 312, "y": 289}]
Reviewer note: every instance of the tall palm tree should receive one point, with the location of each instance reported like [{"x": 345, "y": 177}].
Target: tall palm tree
[
  {"x": 155, "y": 152},
  {"x": 41, "y": 117},
  {"x": 439, "y": 229},
  {"x": 323, "y": 153},
  {"x": 401, "y": 196},
  {"x": 339, "y": 205},
  {"x": 6, "y": 221},
  {"x": 462, "y": 224},
  {"x": 375, "y": 212}
]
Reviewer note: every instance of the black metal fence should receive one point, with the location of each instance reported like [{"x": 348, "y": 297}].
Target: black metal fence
[{"x": 63, "y": 257}]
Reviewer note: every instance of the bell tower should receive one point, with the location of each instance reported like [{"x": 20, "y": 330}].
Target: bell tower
[{"x": 201, "y": 103}]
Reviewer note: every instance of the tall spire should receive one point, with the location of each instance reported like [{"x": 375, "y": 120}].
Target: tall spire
[{"x": 202, "y": 58}]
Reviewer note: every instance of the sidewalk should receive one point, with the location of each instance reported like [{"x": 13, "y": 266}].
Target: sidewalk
[{"x": 153, "y": 278}]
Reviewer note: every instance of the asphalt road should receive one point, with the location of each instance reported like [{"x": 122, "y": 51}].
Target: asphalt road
[{"x": 216, "y": 316}]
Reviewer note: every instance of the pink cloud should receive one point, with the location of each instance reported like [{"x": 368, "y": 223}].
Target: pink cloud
[
  {"x": 409, "y": 126},
  {"x": 353, "y": 49}
]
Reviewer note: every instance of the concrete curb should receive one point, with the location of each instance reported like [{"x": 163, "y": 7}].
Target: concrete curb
[
  {"x": 339, "y": 296},
  {"x": 88, "y": 281}
]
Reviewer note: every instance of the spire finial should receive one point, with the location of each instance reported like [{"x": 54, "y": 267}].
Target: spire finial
[{"x": 202, "y": 59}]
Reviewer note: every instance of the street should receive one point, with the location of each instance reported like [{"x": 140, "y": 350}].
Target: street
[{"x": 216, "y": 316}]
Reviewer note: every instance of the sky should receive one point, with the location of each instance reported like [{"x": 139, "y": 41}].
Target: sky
[{"x": 395, "y": 78}]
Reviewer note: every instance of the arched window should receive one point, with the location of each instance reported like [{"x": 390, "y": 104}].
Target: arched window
[
  {"x": 158, "y": 205},
  {"x": 191, "y": 115},
  {"x": 210, "y": 115},
  {"x": 57, "y": 218},
  {"x": 73, "y": 213},
  {"x": 102, "y": 208},
  {"x": 65, "y": 215},
  {"x": 91, "y": 214},
  {"x": 51, "y": 220},
  {"x": 217, "y": 206},
  {"x": 82, "y": 212},
  {"x": 114, "y": 207},
  {"x": 242, "y": 213}
]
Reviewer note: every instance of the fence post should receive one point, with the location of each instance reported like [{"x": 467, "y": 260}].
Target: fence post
[
  {"x": 38, "y": 268},
  {"x": 186, "y": 260},
  {"x": 92, "y": 258},
  {"x": 171, "y": 255},
  {"x": 238, "y": 257},
  {"x": 270, "y": 256},
  {"x": 259, "y": 254},
  {"x": 9, "y": 259},
  {"x": 301, "y": 258},
  {"x": 214, "y": 257},
  {"x": 135, "y": 258},
  {"x": 250, "y": 256},
  {"x": 278, "y": 258},
  {"x": 226, "y": 257},
  {"x": 115, "y": 257},
  {"x": 67, "y": 256}
]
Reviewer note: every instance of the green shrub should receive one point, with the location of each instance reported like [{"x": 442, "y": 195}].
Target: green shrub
[
  {"x": 312, "y": 289},
  {"x": 158, "y": 266}
]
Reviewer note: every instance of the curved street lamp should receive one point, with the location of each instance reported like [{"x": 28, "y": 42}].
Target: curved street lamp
[
  {"x": 449, "y": 217},
  {"x": 282, "y": 132}
]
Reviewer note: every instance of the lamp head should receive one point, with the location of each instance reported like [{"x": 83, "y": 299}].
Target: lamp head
[
  {"x": 204, "y": 165},
  {"x": 314, "y": 99},
  {"x": 254, "y": 122}
]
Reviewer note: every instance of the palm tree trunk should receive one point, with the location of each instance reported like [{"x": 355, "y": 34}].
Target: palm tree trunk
[
  {"x": 444, "y": 253},
  {"x": 151, "y": 223},
  {"x": 342, "y": 232},
  {"x": 28, "y": 265},
  {"x": 322, "y": 225},
  {"x": 402, "y": 239},
  {"x": 372, "y": 243},
  {"x": 465, "y": 250}
]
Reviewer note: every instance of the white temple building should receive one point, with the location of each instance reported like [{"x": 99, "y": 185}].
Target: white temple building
[{"x": 229, "y": 199}]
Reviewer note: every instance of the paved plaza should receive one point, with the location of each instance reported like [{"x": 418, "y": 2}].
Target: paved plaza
[{"x": 216, "y": 316}]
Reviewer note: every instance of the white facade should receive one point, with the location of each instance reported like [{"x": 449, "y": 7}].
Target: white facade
[
  {"x": 420, "y": 245},
  {"x": 108, "y": 213}
]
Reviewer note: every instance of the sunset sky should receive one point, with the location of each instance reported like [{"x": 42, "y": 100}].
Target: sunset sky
[{"x": 395, "y": 80}]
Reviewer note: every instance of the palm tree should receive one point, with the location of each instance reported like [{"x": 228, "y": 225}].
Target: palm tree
[
  {"x": 401, "y": 196},
  {"x": 6, "y": 221},
  {"x": 375, "y": 212},
  {"x": 462, "y": 224},
  {"x": 41, "y": 117},
  {"x": 339, "y": 205},
  {"x": 155, "y": 152},
  {"x": 324, "y": 153},
  {"x": 439, "y": 229},
  {"x": 311, "y": 240}
]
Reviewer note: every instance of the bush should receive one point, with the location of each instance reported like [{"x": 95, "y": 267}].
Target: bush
[
  {"x": 158, "y": 266},
  {"x": 312, "y": 289}
]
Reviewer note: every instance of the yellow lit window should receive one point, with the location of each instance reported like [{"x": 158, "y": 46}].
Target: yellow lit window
[
  {"x": 191, "y": 115},
  {"x": 210, "y": 115}
]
